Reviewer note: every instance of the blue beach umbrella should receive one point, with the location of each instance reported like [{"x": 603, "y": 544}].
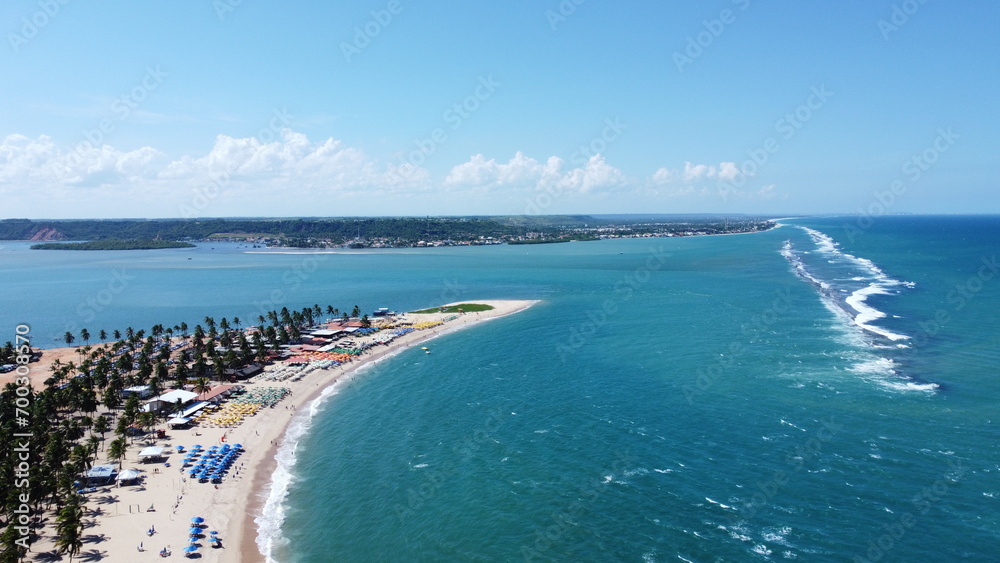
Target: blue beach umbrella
[
  {"x": 213, "y": 532},
  {"x": 194, "y": 531},
  {"x": 197, "y": 519},
  {"x": 191, "y": 548}
]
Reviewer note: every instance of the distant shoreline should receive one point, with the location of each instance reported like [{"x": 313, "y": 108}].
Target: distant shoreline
[{"x": 113, "y": 244}]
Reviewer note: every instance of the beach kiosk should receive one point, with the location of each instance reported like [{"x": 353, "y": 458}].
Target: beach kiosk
[{"x": 100, "y": 475}]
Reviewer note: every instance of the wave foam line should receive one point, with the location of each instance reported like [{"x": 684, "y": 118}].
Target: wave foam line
[
  {"x": 864, "y": 314},
  {"x": 269, "y": 523}
]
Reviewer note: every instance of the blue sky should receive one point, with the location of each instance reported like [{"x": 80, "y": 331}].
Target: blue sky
[{"x": 377, "y": 107}]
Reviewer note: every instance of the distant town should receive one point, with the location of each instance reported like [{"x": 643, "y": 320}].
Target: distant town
[{"x": 366, "y": 232}]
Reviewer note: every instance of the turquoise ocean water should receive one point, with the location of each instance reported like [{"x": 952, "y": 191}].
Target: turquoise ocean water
[{"x": 823, "y": 392}]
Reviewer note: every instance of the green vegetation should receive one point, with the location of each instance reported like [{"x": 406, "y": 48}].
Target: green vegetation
[
  {"x": 380, "y": 232},
  {"x": 460, "y": 308},
  {"x": 112, "y": 244}
]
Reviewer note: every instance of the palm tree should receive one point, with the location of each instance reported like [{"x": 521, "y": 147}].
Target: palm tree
[
  {"x": 202, "y": 385},
  {"x": 117, "y": 334},
  {"x": 101, "y": 425},
  {"x": 69, "y": 528},
  {"x": 103, "y": 335},
  {"x": 117, "y": 450},
  {"x": 85, "y": 335},
  {"x": 147, "y": 421},
  {"x": 355, "y": 311},
  {"x": 69, "y": 338}
]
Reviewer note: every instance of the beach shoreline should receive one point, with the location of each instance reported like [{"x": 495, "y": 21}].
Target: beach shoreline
[
  {"x": 245, "y": 530},
  {"x": 165, "y": 500}
]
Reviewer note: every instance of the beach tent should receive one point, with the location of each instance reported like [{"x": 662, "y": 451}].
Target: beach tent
[
  {"x": 152, "y": 453},
  {"x": 178, "y": 421},
  {"x": 128, "y": 475},
  {"x": 100, "y": 474}
]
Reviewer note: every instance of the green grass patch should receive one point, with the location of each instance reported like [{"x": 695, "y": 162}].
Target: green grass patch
[{"x": 460, "y": 308}]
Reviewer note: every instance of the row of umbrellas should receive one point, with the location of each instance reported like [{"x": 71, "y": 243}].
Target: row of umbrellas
[
  {"x": 212, "y": 464},
  {"x": 195, "y": 532}
]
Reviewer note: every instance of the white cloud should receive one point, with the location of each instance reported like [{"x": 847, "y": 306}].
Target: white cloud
[
  {"x": 522, "y": 172},
  {"x": 292, "y": 175}
]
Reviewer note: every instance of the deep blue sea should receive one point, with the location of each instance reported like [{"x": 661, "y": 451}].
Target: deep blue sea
[{"x": 824, "y": 391}]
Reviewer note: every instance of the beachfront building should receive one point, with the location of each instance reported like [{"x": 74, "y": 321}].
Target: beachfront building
[
  {"x": 141, "y": 391},
  {"x": 169, "y": 400},
  {"x": 245, "y": 372}
]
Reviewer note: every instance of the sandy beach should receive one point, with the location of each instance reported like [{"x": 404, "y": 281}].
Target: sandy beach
[{"x": 119, "y": 518}]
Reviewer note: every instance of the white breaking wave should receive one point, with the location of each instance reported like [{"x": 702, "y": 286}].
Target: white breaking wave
[
  {"x": 854, "y": 311},
  {"x": 269, "y": 523},
  {"x": 880, "y": 283}
]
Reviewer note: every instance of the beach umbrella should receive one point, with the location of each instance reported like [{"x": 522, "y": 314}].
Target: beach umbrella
[
  {"x": 197, "y": 519},
  {"x": 192, "y": 540},
  {"x": 194, "y": 531},
  {"x": 213, "y": 532},
  {"x": 191, "y": 548}
]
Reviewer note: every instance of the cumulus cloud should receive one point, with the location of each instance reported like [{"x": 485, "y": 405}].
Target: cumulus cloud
[
  {"x": 525, "y": 172},
  {"x": 40, "y": 161},
  {"x": 253, "y": 175}
]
